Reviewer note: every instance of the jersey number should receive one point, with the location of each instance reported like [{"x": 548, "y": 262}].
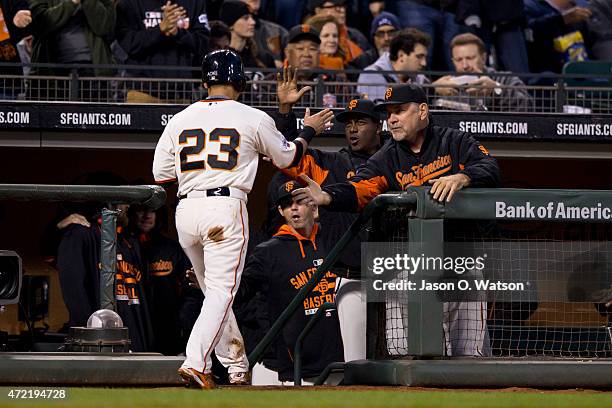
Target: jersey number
[{"x": 212, "y": 159}]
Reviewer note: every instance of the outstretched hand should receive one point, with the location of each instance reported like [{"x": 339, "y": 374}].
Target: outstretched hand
[
  {"x": 319, "y": 121},
  {"x": 312, "y": 194},
  {"x": 287, "y": 87}
]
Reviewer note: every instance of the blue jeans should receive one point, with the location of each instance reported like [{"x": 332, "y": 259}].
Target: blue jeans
[{"x": 441, "y": 26}]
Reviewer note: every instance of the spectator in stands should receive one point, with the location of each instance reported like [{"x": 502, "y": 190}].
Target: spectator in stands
[
  {"x": 499, "y": 23},
  {"x": 220, "y": 36},
  {"x": 352, "y": 41},
  {"x": 171, "y": 300},
  {"x": 302, "y": 50},
  {"x": 435, "y": 18},
  {"x": 72, "y": 32},
  {"x": 331, "y": 55},
  {"x": 385, "y": 28},
  {"x": 239, "y": 18},
  {"x": 14, "y": 18},
  {"x": 479, "y": 92},
  {"x": 556, "y": 33},
  {"x": 279, "y": 268},
  {"x": 269, "y": 36},
  {"x": 407, "y": 53},
  {"x": 170, "y": 34}
]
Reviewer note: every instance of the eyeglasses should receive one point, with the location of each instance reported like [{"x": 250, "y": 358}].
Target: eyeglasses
[{"x": 385, "y": 33}]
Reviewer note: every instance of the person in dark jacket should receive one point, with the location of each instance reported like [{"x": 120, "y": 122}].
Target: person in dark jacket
[
  {"x": 499, "y": 23},
  {"x": 385, "y": 28},
  {"x": 279, "y": 268},
  {"x": 556, "y": 33},
  {"x": 72, "y": 32},
  {"x": 436, "y": 18},
  {"x": 170, "y": 34},
  {"x": 174, "y": 305},
  {"x": 78, "y": 262}
]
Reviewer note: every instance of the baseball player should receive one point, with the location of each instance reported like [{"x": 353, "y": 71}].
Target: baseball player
[
  {"x": 419, "y": 153},
  {"x": 211, "y": 148}
]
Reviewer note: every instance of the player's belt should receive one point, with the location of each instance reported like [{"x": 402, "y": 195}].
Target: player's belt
[{"x": 216, "y": 192}]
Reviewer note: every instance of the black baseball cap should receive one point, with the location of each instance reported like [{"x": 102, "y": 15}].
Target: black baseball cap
[
  {"x": 285, "y": 190},
  {"x": 408, "y": 93},
  {"x": 303, "y": 32},
  {"x": 363, "y": 107}
]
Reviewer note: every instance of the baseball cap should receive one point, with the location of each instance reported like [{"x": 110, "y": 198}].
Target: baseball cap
[
  {"x": 232, "y": 10},
  {"x": 408, "y": 93},
  {"x": 303, "y": 32},
  {"x": 284, "y": 191},
  {"x": 359, "y": 106},
  {"x": 384, "y": 18}
]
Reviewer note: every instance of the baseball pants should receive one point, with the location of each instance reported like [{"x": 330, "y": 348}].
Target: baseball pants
[
  {"x": 352, "y": 311},
  {"x": 214, "y": 233}
]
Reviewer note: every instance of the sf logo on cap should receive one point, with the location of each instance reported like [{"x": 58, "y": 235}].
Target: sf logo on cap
[
  {"x": 289, "y": 186},
  {"x": 388, "y": 93},
  {"x": 352, "y": 104}
]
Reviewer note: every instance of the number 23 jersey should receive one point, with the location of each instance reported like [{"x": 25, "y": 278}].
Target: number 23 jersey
[{"x": 216, "y": 143}]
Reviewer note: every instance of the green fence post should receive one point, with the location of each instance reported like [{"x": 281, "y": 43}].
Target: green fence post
[{"x": 108, "y": 258}]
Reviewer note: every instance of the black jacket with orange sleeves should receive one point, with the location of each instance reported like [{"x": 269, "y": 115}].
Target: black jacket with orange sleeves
[
  {"x": 279, "y": 268},
  {"x": 395, "y": 167}
]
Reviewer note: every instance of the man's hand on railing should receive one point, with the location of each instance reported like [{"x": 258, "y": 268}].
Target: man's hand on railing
[
  {"x": 287, "y": 89},
  {"x": 319, "y": 121},
  {"x": 445, "y": 86},
  {"x": 445, "y": 187},
  {"x": 22, "y": 18}
]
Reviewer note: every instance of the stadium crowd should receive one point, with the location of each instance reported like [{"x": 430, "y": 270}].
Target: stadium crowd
[{"x": 379, "y": 37}]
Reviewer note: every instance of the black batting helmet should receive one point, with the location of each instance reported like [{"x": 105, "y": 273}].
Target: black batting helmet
[{"x": 223, "y": 67}]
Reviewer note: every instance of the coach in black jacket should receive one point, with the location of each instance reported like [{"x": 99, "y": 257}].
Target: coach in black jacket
[
  {"x": 279, "y": 268},
  {"x": 420, "y": 153}
]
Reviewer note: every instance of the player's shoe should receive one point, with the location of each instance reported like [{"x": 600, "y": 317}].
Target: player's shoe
[
  {"x": 195, "y": 379},
  {"x": 242, "y": 378}
]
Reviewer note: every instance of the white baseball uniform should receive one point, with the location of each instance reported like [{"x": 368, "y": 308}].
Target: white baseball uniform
[{"x": 212, "y": 149}]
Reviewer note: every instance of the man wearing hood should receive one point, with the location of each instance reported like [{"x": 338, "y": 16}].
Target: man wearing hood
[{"x": 279, "y": 268}]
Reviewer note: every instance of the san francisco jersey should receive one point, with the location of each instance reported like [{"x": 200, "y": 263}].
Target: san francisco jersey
[{"x": 216, "y": 143}]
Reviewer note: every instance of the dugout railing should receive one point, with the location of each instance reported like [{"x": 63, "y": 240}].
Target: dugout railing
[
  {"x": 557, "y": 334},
  {"x": 541, "y": 93},
  {"x": 149, "y": 195}
]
